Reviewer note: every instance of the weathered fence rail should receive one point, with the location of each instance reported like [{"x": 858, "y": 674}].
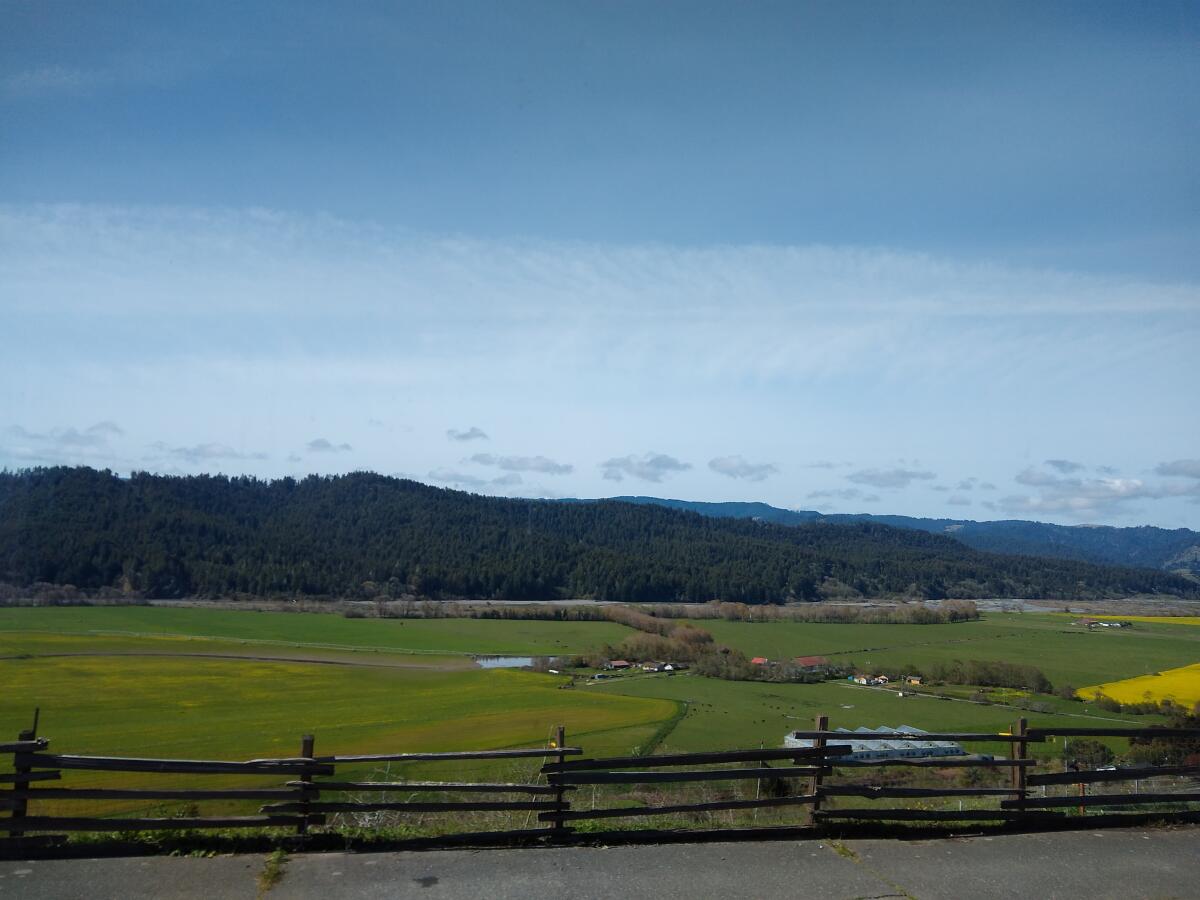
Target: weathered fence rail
[{"x": 816, "y": 778}]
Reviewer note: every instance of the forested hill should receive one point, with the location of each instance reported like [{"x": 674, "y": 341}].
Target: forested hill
[
  {"x": 361, "y": 534},
  {"x": 1173, "y": 550}
]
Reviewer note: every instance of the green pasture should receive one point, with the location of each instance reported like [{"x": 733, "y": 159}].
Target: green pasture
[
  {"x": 196, "y": 708},
  {"x": 1066, "y": 653},
  {"x": 322, "y": 630},
  {"x": 729, "y": 714},
  {"x": 25, "y": 644}
]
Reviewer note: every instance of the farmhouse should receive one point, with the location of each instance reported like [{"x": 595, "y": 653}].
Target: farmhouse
[
  {"x": 811, "y": 662},
  {"x": 900, "y": 748},
  {"x": 759, "y": 661},
  {"x": 619, "y": 664},
  {"x": 869, "y": 679}
]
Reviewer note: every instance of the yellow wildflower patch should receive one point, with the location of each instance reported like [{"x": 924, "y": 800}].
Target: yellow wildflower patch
[{"x": 1181, "y": 685}]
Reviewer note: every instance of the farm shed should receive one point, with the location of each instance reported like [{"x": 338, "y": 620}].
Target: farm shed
[{"x": 885, "y": 749}]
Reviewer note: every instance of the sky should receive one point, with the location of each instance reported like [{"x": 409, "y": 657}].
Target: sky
[{"x": 934, "y": 259}]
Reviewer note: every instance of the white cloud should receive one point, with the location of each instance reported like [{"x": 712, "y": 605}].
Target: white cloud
[
  {"x": 202, "y": 452},
  {"x": 649, "y": 467},
  {"x": 889, "y": 478},
  {"x": 803, "y": 353},
  {"x": 840, "y": 494},
  {"x": 92, "y": 437},
  {"x": 1088, "y": 497},
  {"x": 737, "y": 467},
  {"x": 473, "y": 482},
  {"x": 62, "y": 445},
  {"x": 523, "y": 464}
]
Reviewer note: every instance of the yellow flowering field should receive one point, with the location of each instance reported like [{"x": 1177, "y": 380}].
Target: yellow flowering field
[{"x": 1181, "y": 685}]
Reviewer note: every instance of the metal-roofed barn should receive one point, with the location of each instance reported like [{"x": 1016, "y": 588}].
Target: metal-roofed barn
[{"x": 879, "y": 748}]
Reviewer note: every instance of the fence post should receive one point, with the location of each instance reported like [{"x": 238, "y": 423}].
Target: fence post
[
  {"x": 822, "y": 724},
  {"x": 1020, "y": 772},
  {"x": 306, "y": 751},
  {"x": 560, "y": 742},
  {"x": 21, "y": 767}
]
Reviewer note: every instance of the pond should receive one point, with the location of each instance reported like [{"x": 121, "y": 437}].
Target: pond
[{"x": 504, "y": 662}]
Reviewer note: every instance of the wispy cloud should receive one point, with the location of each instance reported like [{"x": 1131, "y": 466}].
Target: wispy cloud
[
  {"x": 889, "y": 478},
  {"x": 198, "y": 453},
  {"x": 473, "y": 482},
  {"x": 649, "y": 467},
  {"x": 569, "y": 339},
  {"x": 93, "y": 436},
  {"x": 61, "y": 445},
  {"x": 540, "y": 464},
  {"x": 843, "y": 494},
  {"x": 42, "y": 80},
  {"x": 832, "y": 493},
  {"x": 470, "y": 434},
  {"x": 322, "y": 445},
  {"x": 1088, "y": 497},
  {"x": 737, "y": 467},
  {"x": 958, "y": 500},
  {"x": 1180, "y": 468},
  {"x": 1066, "y": 466}
]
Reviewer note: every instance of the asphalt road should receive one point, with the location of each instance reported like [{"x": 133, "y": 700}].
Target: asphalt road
[{"x": 1130, "y": 863}]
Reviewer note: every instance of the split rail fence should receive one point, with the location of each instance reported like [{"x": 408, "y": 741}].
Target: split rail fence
[{"x": 818, "y": 779}]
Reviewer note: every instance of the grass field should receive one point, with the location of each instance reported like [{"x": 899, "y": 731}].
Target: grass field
[
  {"x": 1181, "y": 685},
  {"x": 315, "y": 630},
  {"x": 1158, "y": 620},
  {"x": 243, "y": 709},
  {"x": 1068, "y": 654},
  {"x": 746, "y": 714},
  {"x": 154, "y": 682}
]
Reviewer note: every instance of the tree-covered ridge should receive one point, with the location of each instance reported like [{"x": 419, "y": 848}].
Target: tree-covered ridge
[
  {"x": 211, "y": 536},
  {"x": 1174, "y": 550}
]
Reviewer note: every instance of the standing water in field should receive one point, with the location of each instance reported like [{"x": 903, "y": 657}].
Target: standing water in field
[{"x": 504, "y": 662}]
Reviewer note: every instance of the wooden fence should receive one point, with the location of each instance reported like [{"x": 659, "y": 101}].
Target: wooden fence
[{"x": 818, "y": 779}]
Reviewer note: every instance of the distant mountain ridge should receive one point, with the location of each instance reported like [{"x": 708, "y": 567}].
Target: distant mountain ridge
[
  {"x": 366, "y": 535},
  {"x": 1171, "y": 550}
]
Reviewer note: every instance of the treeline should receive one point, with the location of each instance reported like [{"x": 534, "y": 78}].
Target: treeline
[
  {"x": 991, "y": 673},
  {"x": 368, "y": 536},
  {"x": 906, "y": 614}
]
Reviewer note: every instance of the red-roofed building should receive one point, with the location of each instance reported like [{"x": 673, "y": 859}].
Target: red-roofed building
[
  {"x": 811, "y": 662},
  {"x": 759, "y": 661}
]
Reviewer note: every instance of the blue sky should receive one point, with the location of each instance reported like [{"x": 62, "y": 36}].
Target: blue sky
[{"x": 935, "y": 259}]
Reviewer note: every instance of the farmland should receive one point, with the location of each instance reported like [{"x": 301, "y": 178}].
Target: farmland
[
  {"x": 1181, "y": 685},
  {"x": 1068, "y": 654},
  {"x": 316, "y": 631},
  {"x": 747, "y": 714},
  {"x": 242, "y": 709},
  {"x": 213, "y": 683}
]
